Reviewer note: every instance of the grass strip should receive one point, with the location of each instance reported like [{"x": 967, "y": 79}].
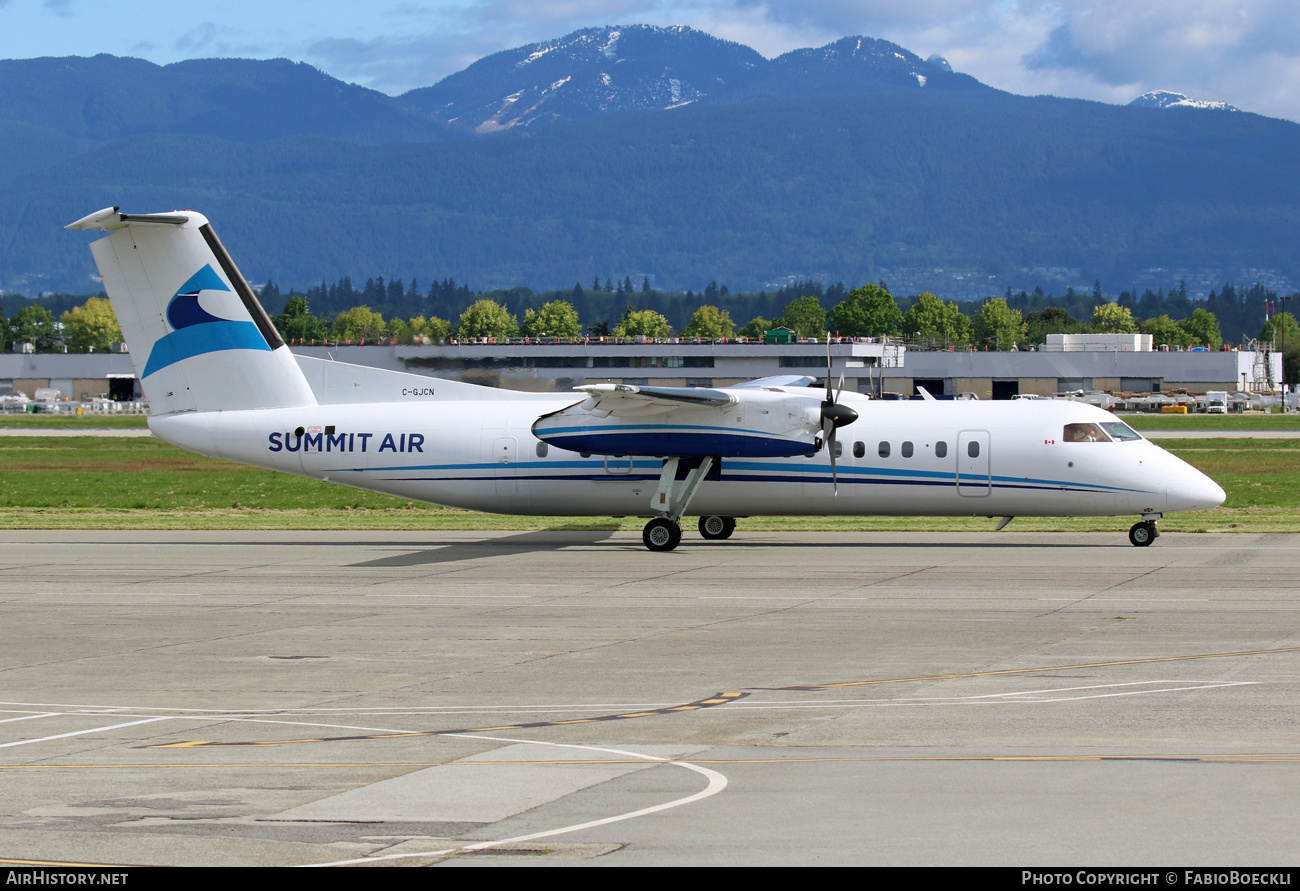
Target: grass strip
[{"x": 143, "y": 483}]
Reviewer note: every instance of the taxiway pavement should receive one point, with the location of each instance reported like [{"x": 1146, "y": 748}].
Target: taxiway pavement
[{"x": 471, "y": 698}]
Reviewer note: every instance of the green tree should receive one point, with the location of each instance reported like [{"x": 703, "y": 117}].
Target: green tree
[
  {"x": 398, "y": 330},
  {"x": 297, "y": 324},
  {"x": 360, "y": 323},
  {"x": 642, "y": 322},
  {"x": 804, "y": 316},
  {"x": 754, "y": 328},
  {"x": 869, "y": 311},
  {"x": 486, "y": 318},
  {"x": 1283, "y": 332},
  {"x": 1164, "y": 330},
  {"x": 930, "y": 318},
  {"x": 91, "y": 326},
  {"x": 1052, "y": 320},
  {"x": 710, "y": 322},
  {"x": 1111, "y": 318},
  {"x": 432, "y": 328},
  {"x": 557, "y": 318},
  {"x": 1203, "y": 328},
  {"x": 35, "y": 325},
  {"x": 998, "y": 326}
]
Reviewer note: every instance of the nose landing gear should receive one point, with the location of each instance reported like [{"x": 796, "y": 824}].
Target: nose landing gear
[
  {"x": 664, "y": 532},
  {"x": 1142, "y": 534},
  {"x": 661, "y": 534}
]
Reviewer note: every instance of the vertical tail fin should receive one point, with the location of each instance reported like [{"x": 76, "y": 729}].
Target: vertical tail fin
[{"x": 198, "y": 336}]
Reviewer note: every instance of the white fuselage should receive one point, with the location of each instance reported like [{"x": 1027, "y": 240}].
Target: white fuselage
[{"x": 902, "y": 458}]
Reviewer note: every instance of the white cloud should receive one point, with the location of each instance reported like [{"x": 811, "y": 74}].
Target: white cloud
[{"x": 1242, "y": 51}]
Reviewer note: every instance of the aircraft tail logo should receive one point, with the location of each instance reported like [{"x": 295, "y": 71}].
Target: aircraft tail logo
[{"x": 196, "y": 331}]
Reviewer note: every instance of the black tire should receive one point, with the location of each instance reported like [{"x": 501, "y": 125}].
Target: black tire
[
  {"x": 717, "y": 527},
  {"x": 1142, "y": 534},
  {"x": 661, "y": 534}
]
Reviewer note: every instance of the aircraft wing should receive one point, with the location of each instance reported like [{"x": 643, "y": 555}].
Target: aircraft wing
[
  {"x": 627, "y": 400},
  {"x": 778, "y": 380},
  {"x": 629, "y": 419}
]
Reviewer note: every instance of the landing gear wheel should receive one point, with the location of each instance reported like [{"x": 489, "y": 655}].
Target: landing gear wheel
[
  {"x": 717, "y": 527},
  {"x": 1142, "y": 534},
  {"x": 661, "y": 534}
]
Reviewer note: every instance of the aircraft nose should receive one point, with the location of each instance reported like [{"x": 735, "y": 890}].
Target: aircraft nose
[{"x": 1193, "y": 490}]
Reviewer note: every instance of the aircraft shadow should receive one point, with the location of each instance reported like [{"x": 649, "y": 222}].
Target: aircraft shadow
[{"x": 524, "y": 542}]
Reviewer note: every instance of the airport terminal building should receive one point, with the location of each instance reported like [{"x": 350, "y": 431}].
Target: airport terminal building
[{"x": 878, "y": 367}]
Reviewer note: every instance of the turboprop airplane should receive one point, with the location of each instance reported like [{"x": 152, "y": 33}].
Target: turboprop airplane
[{"x": 221, "y": 382}]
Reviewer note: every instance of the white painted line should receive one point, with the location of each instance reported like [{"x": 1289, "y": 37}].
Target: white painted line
[
  {"x": 370, "y": 710},
  {"x": 1132, "y": 693},
  {"x": 28, "y": 717},
  {"x": 65, "y": 594},
  {"x": 453, "y": 596},
  {"x": 27, "y": 742},
  {"x": 989, "y": 698},
  {"x": 717, "y": 782},
  {"x": 1091, "y": 687}
]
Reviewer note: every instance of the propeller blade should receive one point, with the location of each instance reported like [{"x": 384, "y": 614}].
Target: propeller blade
[
  {"x": 829, "y": 397},
  {"x": 828, "y": 436}
]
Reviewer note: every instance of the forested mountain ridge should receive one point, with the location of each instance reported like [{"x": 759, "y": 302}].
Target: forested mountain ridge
[
  {"x": 845, "y": 163},
  {"x": 105, "y": 98}
]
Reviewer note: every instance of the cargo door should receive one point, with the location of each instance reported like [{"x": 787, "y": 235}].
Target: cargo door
[{"x": 505, "y": 453}]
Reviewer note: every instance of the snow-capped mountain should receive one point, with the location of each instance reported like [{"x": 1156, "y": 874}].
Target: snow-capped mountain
[
  {"x": 860, "y": 60},
  {"x": 587, "y": 73},
  {"x": 1167, "y": 99},
  {"x": 602, "y": 70}
]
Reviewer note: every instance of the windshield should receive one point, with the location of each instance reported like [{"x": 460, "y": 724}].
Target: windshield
[
  {"x": 1120, "y": 432},
  {"x": 1108, "y": 431}
]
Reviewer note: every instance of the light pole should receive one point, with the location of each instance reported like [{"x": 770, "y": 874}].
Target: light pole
[{"x": 1279, "y": 329}]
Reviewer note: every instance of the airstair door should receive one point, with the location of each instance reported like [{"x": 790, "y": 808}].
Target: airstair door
[{"x": 973, "y": 463}]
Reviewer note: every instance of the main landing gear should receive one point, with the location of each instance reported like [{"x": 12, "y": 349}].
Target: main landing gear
[
  {"x": 664, "y": 532},
  {"x": 1142, "y": 534},
  {"x": 717, "y": 527}
]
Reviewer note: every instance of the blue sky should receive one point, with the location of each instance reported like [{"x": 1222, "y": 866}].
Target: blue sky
[{"x": 1246, "y": 52}]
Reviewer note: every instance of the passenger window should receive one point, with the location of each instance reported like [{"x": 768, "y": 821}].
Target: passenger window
[
  {"x": 859, "y": 449},
  {"x": 973, "y": 449},
  {"x": 542, "y": 449},
  {"x": 907, "y": 450},
  {"x": 839, "y": 449},
  {"x": 884, "y": 449},
  {"x": 941, "y": 449}
]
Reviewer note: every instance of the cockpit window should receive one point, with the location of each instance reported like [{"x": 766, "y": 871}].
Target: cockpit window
[
  {"x": 1084, "y": 433},
  {"x": 1120, "y": 432}
]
